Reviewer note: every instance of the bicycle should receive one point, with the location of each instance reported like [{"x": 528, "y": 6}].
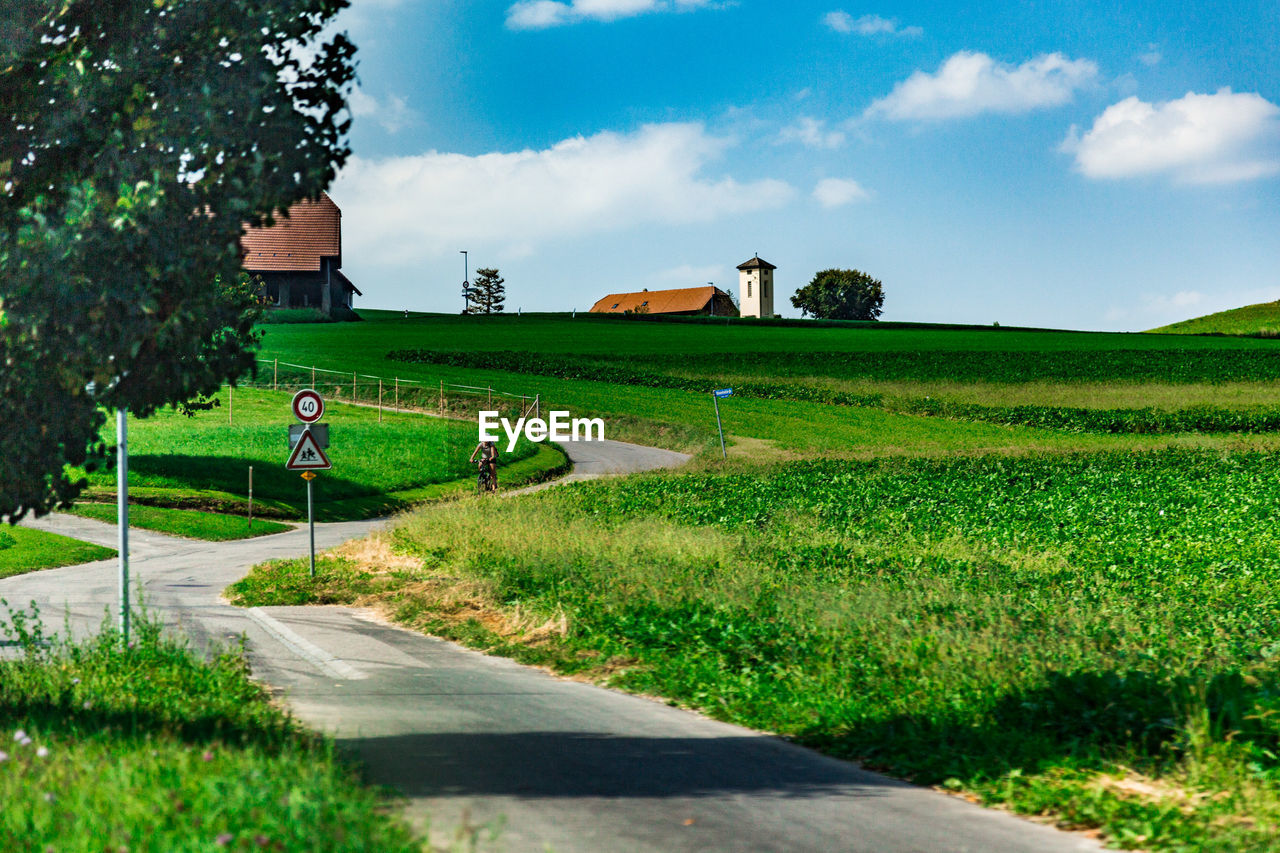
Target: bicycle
[{"x": 484, "y": 479}]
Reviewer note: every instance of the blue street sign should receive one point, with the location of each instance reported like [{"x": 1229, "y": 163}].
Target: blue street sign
[{"x": 723, "y": 392}]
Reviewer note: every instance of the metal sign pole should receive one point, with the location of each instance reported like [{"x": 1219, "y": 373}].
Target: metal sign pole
[
  {"x": 311, "y": 523},
  {"x": 715, "y": 398},
  {"x": 122, "y": 515}
]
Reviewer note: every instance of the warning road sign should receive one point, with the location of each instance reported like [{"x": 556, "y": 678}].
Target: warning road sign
[
  {"x": 307, "y": 455},
  {"x": 308, "y": 406}
]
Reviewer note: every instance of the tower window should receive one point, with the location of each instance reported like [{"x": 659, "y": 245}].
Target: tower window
[{"x": 748, "y": 288}]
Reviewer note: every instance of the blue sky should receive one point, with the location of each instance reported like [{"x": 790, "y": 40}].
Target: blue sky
[{"x": 1067, "y": 165}]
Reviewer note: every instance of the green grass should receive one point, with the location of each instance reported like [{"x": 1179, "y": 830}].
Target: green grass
[
  {"x": 150, "y": 748},
  {"x": 1262, "y": 319},
  {"x": 25, "y": 550},
  {"x": 191, "y": 524},
  {"x": 929, "y": 552},
  {"x": 203, "y": 462},
  {"x": 648, "y": 379},
  {"x": 1047, "y": 632}
]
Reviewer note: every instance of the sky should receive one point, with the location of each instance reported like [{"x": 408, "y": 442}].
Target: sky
[{"x": 1067, "y": 165}]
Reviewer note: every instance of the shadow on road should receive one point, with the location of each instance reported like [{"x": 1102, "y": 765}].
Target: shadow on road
[{"x": 584, "y": 764}]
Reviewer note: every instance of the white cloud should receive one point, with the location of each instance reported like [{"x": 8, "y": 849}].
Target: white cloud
[
  {"x": 393, "y": 114},
  {"x": 812, "y": 133},
  {"x": 401, "y": 209},
  {"x": 1205, "y": 139},
  {"x": 1152, "y": 56},
  {"x": 543, "y": 14},
  {"x": 971, "y": 83},
  {"x": 837, "y": 192},
  {"x": 868, "y": 25}
]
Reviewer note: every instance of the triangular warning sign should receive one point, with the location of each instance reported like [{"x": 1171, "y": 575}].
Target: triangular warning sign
[{"x": 307, "y": 455}]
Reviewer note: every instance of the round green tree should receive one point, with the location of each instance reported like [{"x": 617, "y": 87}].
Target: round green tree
[{"x": 840, "y": 295}]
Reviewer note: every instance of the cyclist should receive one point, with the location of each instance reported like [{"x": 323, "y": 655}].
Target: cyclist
[{"x": 488, "y": 453}]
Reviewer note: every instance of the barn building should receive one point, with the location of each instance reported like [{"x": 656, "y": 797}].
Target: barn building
[
  {"x": 708, "y": 300},
  {"x": 299, "y": 258}
]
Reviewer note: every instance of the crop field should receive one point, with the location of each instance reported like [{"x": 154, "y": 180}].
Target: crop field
[{"x": 1040, "y": 568}]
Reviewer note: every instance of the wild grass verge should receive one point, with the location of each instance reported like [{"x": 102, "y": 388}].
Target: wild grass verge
[
  {"x": 1089, "y": 638},
  {"x": 146, "y": 747}
]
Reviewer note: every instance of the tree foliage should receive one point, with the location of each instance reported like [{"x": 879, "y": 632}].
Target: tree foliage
[
  {"x": 840, "y": 295},
  {"x": 137, "y": 137},
  {"x": 487, "y": 292}
]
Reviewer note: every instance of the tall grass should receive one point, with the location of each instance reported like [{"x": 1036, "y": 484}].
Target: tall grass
[{"x": 149, "y": 748}]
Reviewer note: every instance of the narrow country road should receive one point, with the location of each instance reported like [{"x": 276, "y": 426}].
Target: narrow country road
[{"x": 469, "y": 738}]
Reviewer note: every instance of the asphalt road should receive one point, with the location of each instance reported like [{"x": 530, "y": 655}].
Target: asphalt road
[{"x": 474, "y": 740}]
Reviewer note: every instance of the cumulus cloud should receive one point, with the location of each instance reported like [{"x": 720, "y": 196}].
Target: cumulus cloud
[
  {"x": 837, "y": 192},
  {"x": 812, "y": 133},
  {"x": 969, "y": 83},
  {"x": 392, "y": 114},
  {"x": 1207, "y": 139},
  {"x": 401, "y": 209},
  {"x": 543, "y": 14},
  {"x": 868, "y": 25}
]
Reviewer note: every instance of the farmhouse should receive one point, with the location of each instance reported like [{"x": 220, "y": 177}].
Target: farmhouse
[
  {"x": 708, "y": 299},
  {"x": 299, "y": 258}
]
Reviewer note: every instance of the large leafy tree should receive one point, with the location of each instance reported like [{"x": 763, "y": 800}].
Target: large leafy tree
[
  {"x": 137, "y": 137},
  {"x": 840, "y": 295}
]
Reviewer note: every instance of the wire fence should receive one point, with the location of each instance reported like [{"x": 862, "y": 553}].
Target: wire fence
[{"x": 391, "y": 393}]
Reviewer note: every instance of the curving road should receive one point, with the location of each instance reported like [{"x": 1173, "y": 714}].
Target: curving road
[{"x": 470, "y": 738}]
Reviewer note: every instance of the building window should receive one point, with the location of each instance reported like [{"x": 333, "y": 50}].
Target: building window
[
  {"x": 615, "y": 305},
  {"x": 643, "y": 304},
  {"x": 748, "y": 288}
]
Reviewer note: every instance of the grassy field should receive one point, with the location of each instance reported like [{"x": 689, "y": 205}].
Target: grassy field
[
  {"x": 1261, "y": 319},
  {"x": 203, "y": 462},
  {"x": 188, "y": 523},
  {"x": 650, "y": 378},
  {"x": 1036, "y": 567},
  {"x": 150, "y": 748},
  {"x": 25, "y": 550}
]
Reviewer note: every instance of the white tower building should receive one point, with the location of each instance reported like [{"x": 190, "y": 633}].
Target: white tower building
[{"x": 755, "y": 288}]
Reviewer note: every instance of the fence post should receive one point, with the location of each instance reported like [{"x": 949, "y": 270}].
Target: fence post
[
  {"x": 490, "y": 398},
  {"x": 275, "y": 376},
  {"x": 379, "y": 401},
  {"x": 442, "y": 398},
  {"x": 353, "y": 387},
  {"x": 313, "y": 377},
  {"x": 397, "y": 395},
  {"x": 251, "y": 496},
  {"x": 230, "y": 389},
  {"x": 537, "y": 406}
]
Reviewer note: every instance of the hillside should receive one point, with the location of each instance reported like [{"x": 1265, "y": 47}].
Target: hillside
[{"x": 1260, "y": 319}]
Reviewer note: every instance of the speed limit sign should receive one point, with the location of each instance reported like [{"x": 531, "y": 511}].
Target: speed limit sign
[{"x": 308, "y": 406}]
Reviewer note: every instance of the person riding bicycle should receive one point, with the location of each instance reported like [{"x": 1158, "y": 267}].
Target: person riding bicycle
[{"x": 488, "y": 453}]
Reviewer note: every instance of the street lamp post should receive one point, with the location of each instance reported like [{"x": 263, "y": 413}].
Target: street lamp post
[{"x": 466, "y": 283}]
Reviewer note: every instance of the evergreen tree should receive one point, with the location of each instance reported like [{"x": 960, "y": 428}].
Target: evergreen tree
[{"x": 487, "y": 292}]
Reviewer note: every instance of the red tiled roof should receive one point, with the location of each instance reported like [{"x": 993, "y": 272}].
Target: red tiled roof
[
  {"x": 312, "y": 230},
  {"x": 657, "y": 301}
]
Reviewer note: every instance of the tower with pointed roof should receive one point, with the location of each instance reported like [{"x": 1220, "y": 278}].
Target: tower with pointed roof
[{"x": 755, "y": 287}]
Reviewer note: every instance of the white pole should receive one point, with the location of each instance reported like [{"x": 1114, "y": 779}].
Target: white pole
[
  {"x": 122, "y": 515},
  {"x": 311, "y": 525}
]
